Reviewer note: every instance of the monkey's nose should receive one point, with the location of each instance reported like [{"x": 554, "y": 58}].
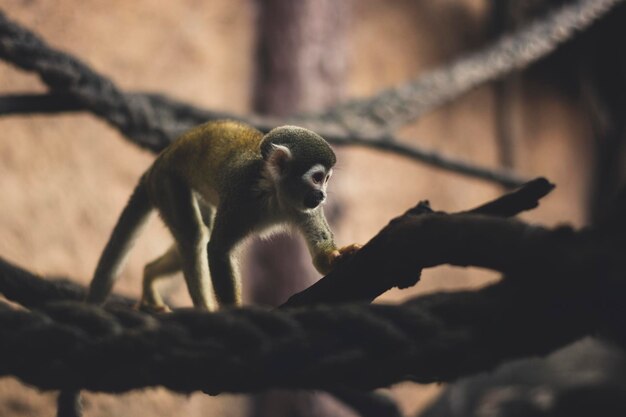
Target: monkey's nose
[{"x": 314, "y": 198}]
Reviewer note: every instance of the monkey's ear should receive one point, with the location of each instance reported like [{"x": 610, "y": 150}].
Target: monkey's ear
[{"x": 277, "y": 159}]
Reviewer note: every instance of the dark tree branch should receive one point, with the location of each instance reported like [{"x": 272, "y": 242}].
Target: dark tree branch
[
  {"x": 512, "y": 204},
  {"x": 396, "y": 255}
]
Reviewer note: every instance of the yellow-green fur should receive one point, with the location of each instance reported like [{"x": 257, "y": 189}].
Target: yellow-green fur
[{"x": 210, "y": 155}]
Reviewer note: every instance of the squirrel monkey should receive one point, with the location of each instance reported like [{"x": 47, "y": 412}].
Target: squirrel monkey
[{"x": 216, "y": 184}]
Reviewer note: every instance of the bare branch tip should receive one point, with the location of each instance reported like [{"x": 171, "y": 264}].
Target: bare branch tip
[{"x": 421, "y": 208}]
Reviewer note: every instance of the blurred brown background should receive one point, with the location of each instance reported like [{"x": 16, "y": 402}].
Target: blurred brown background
[{"x": 64, "y": 179}]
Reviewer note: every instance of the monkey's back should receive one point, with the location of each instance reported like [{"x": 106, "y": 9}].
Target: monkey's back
[{"x": 211, "y": 156}]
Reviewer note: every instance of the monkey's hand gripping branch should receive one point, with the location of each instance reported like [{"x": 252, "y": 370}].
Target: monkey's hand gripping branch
[
  {"x": 327, "y": 261},
  {"x": 388, "y": 260}
]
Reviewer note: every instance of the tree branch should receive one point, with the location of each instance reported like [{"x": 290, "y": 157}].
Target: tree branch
[{"x": 421, "y": 239}]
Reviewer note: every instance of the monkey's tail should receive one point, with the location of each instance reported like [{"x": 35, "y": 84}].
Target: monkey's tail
[
  {"x": 122, "y": 238},
  {"x": 69, "y": 404},
  {"x": 128, "y": 226}
]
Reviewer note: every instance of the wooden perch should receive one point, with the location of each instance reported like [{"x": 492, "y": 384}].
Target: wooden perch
[{"x": 421, "y": 238}]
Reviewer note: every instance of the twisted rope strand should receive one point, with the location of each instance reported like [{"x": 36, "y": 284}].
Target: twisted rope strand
[
  {"x": 152, "y": 120},
  {"x": 432, "y": 338},
  {"x": 402, "y": 104}
]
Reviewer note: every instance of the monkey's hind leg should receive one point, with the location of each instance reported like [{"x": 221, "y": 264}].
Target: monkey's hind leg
[
  {"x": 167, "y": 264},
  {"x": 180, "y": 210}
]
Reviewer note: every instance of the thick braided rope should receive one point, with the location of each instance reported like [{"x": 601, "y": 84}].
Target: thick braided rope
[
  {"x": 385, "y": 111},
  {"x": 152, "y": 120},
  {"x": 62, "y": 72},
  {"x": 432, "y": 338},
  {"x": 406, "y": 102}
]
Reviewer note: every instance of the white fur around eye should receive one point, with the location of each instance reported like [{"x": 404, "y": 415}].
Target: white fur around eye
[{"x": 308, "y": 176}]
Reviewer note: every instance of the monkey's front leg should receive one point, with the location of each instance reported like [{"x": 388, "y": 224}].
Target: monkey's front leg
[
  {"x": 228, "y": 229},
  {"x": 326, "y": 260},
  {"x": 321, "y": 242}
]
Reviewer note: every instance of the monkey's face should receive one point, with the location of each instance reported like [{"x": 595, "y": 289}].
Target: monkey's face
[
  {"x": 306, "y": 190},
  {"x": 314, "y": 182},
  {"x": 299, "y": 164}
]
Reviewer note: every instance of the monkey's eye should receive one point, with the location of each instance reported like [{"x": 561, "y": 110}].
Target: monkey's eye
[{"x": 318, "y": 177}]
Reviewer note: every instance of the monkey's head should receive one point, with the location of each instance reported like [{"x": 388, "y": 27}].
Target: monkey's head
[{"x": 299, "y": 163}]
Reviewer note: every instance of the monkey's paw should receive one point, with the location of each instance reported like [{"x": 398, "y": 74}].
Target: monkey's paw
[
  {"x": 153, "y": 308},
  {"x": 326, "y": 261},
  {"x": 345, "y": 253}
]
